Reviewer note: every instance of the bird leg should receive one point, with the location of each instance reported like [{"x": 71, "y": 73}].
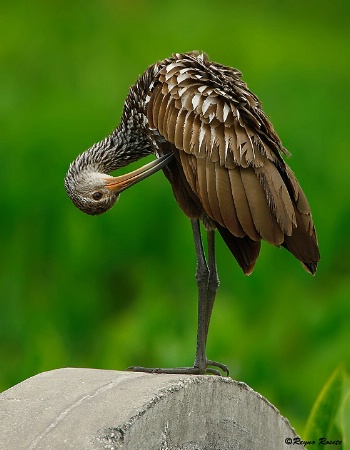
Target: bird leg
[
  {"x": 213, "y": 281},
  {"x": 202, "y": 277},
  {"x": 208, "y": 283}
]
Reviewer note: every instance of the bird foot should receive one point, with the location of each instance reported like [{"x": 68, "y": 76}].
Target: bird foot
[{"x": 195, "y": 370}]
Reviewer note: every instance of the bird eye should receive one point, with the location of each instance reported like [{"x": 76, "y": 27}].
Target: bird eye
[{"x": 97, "y": 195}]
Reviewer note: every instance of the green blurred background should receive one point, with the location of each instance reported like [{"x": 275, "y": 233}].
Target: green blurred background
[{"x": 116, "y": 290}]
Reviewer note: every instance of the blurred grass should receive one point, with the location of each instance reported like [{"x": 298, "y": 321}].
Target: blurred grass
[{"x": 119, "y": 289}]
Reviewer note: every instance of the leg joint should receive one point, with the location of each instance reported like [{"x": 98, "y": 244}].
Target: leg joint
[
  {"x": 202, "y": 273},
  {"x": 213, "y": 281}
]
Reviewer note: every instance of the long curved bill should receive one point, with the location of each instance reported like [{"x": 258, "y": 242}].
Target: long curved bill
[{"x": 123, "y": 182}]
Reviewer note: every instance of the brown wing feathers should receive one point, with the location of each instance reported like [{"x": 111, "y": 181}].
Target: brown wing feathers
[{"x": 230, "y": 157}]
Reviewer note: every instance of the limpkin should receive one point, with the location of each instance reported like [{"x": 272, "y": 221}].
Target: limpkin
[{"x": 224, "y": 162}]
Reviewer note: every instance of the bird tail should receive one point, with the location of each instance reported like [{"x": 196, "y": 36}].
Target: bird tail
[
  {"x": 245, "y": 250},
  {"x": 303, "y": 245},
  {"x": 302, "y": 242}
]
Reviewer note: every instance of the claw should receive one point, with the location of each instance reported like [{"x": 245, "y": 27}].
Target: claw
[{"x": 221, "y": 366}]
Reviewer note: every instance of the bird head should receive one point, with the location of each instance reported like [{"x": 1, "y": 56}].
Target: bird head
[
  {"x": 94, "y": 192},
  {"x": 89, "y": 192}
]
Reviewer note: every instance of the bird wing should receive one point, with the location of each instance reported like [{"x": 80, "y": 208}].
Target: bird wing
[{"x": 228, "y": 149}]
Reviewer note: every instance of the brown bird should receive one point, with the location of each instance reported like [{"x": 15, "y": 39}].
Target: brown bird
[{"x": 223, "y": 160}]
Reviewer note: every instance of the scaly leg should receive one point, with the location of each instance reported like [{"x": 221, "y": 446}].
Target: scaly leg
[
  {"x": 213, "y": 285},
  {"x": 208, "y": 283},
  {"x": 202, "y": 277}
]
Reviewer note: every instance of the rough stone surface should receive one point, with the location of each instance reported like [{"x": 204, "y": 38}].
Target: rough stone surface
[{"x": 102, "y": 409}]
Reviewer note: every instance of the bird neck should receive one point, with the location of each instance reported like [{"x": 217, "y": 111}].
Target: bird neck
[
  {"x": 130, "y": 141},
  {"x": 114, "y": 152}
]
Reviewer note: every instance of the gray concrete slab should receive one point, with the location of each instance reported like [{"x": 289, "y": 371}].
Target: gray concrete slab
[{"x": 104, "y": 409}]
